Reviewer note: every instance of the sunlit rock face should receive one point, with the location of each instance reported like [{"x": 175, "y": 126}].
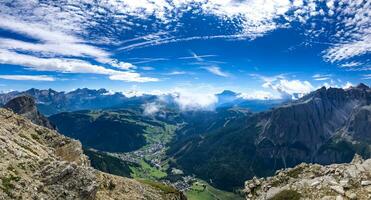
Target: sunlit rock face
[
  {"x": 313, "y": 181},
  {"x": 39, "y": 163}
]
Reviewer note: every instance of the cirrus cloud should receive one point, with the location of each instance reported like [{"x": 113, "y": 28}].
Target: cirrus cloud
[{"x": 28, "y": 77}]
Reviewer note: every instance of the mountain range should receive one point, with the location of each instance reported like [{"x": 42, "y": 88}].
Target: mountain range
[
  {"x": 51, "y": 102},
  {"x": 225, "y": 146}
]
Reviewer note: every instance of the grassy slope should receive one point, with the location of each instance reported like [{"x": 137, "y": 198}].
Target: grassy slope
[
  {"x": 146, "y": 171},
  {"x": 198, "y": 192}
]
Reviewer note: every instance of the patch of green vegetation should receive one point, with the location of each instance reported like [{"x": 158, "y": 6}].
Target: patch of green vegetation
[
  {"x": 165, "y": 188},
  {"x": 163, "y": 133},
  {"x": 113, "y": 130},
  {"x": 7, "y": 183},
  {"x": 287, "y": 195},
  {"x": 146, "y": 171},
  {"x": 109, "y": 164},
  {"x": 201, "y": 190}
]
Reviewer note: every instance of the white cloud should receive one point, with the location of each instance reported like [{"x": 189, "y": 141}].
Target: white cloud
[
  {"x": 298, "y": 3},
  {"x": 176, "y": 73},
  {"x": 322, "y": 77},
  {"x": 65, "y": 23},
  {"x": 52, "y": 42},
  {"x": 250, "y": 18},
  {"x": 28, "y": 77},
  {"x": 123, "y": 65},
  {"x": 295, "y": 88},
  {"x": 132, "y": 77},
  {"x": 354, "y": 17},
  {"x": 367, "y": 76},
  {"x": 198, "y": 58},
  {"x": 151, "y": 108},
  {"x": 52, "y": 64},
  {"x": 351, "y": 64},
  {"x": 292, "y": 88},
  {"x": 259, "y": 95},
  {"x": 349, "y": 49},
  {"x": 67, "y": 66},
  {"x": 216, "y": 70},
  {"x": 191, "y": 100},
  {"x": 347, "y": 85},
  {"x": 50, "y": 53}
]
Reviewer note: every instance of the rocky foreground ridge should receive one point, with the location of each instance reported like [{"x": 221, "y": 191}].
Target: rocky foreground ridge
[
  {"x": 39, "y": 163},
  {"x": 313, "y": 181}
]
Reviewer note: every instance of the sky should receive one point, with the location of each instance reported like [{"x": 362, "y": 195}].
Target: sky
[{"x": 260, "y": 48}]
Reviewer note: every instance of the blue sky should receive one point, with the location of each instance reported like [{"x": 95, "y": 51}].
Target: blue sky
[{"x": 263, "y": 49}]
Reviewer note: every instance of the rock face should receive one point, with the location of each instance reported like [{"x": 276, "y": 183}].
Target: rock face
[
  {"x": 26, "y": 106},
  {"x": 39, "y": 163},
  {"x": 313, "y": 181}
]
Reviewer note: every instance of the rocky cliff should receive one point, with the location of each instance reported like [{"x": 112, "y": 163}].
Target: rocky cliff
[
  {"x": 39, "y": 163},
  {"x": 26, "y": 106},
  {"x": 313, "y": 181}
]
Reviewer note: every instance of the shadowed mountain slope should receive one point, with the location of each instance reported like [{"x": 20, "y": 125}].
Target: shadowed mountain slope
[
  {"x": 326, "y": 126},
  {"x": 26, "y": 106}
]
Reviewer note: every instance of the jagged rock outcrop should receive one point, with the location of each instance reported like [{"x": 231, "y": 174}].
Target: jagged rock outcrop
[
  {"x": 313, "y": 181},
  {"x": 26, "y": 106},
  {"x": 39, "y": 163}
]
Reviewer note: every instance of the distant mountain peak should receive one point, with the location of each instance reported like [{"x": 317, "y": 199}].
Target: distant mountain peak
[
  {"x": 228, "y": 93},
  {"x": 362, "y": 86}
]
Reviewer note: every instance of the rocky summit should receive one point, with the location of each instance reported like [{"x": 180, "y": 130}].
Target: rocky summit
[
  {"x": 39, "y": 163},
  {"x": 313, "y": 181}
]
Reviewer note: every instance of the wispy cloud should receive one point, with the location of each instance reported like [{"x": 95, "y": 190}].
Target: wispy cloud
[
  {"x": 67, "y": 66},
  {"x": 199, "y": 58},
  {"x": 322, "y": 77},
  {"x": 148, "y": 60},
  {"x": 351, "y": 64},
  {"x": 28, "y": 77},
  {"x": 216, "y": 70},
  {"x": 147, "y": 68},
  {"x": 176, "y": 73},
  {"x": 366, "y": 77},
  {"x": 52, "y": 42},
  {"x": 53, "y": 52}
]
